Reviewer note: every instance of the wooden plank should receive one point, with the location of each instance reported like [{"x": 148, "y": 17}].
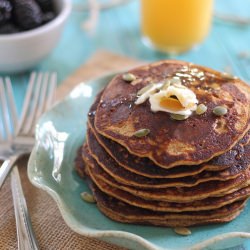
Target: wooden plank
[{"x": 99, "y": 64}]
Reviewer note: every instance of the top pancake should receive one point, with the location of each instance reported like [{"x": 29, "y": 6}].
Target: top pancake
[{"x": 170, "y": 142}]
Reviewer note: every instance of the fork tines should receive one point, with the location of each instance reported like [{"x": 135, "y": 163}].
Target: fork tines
[
  {"x": 39, "y": 96},
  {"x": 8, "y": 113}
]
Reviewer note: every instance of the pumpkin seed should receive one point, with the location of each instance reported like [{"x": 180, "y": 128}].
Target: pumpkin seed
[
  {"x": 199, "y": 74},
  {"x": 176, "y": 81},
  {"x": 88, "y": 197},
  {"x": 178, "y": 117},
  {"x": 220, "y": 110},
  {"x": 144, "y": 89},
  {"x": 228, "y": 76},
  {"x": 182, "y": 231},
  {"x": 142, "y": 132},
  {"x": 194, "y": 70},
  {"x": 128, "y": 77},
  {"x": 184, "y": 69},
  {"x": 201, "y": 109}
]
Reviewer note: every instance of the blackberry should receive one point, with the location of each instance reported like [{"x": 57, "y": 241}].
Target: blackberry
[
  {"x": 8, "y": 28},
  {"x": 46, "y": 5},
  {"x": 5, "y": 11},
  {"x": 27, "y": 14},
  {"x": 48, "y": 16}
]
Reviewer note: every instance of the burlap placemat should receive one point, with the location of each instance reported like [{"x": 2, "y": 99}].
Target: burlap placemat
[{"x": 51, "y": 231}]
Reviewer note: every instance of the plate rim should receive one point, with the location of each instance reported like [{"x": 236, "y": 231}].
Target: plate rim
[
  {"x": 114, "y": 233},
  {"x": 95, "y": 234}
]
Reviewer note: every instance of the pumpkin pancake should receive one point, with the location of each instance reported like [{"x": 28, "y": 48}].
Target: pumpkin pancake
[
  {"x": 171, "y": 143},
  {"x": 120, "y": 211},
  {"x": 129, "y": 178},
  {"x": 145, "y": 167},
  {"x": 172, "y": 194},
  {"x": 117, "y": 215},
  {"x": 206, "y": 204}
]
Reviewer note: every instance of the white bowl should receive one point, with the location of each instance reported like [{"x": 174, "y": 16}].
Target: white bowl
[{"x": 21, "y": 51}]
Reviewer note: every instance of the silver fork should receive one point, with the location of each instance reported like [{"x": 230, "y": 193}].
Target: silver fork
[
  {"x": 24, "y": 136},
  {"x": 39, "y": 97},
  {"x": 9, "y": 124},
  {"x": 9, "y": 114}
]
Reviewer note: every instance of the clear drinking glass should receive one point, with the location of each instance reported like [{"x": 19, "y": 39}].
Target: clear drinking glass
[{"x": 175, "y": 26}]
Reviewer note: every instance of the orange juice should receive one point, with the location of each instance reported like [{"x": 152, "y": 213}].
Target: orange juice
[{"x": 175, "y": 26}]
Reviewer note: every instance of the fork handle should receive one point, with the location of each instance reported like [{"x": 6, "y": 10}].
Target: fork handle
[
  {"x": 6, "y": 168},
  {"x": 25, "y": 234}
]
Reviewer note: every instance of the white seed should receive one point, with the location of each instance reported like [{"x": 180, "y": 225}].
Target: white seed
[
  {"x": 176, "y": 81},
  {"x": 228, "y": 76},
  {"x": 144, "y": 89},
  {"x": 166, "y": 84}
]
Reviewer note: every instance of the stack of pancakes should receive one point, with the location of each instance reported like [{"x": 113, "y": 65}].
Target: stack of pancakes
[{"x": 183, "y": 173}]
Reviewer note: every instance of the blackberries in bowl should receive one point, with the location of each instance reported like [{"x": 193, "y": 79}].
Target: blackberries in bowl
[
  {"x": 24, "y": 39},
  {"x": 22, "y": 15}
]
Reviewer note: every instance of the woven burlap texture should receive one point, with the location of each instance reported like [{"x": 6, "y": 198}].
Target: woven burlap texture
[{"x": 51, "y": 231}]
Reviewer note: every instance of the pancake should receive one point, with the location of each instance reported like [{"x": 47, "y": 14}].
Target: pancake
[
  {"x": 182, "y": 173},
  {"x": 120, "y": 211},
  {"x": 145, "y": 167},
  {"x": 172, "y": 194},
  {"x": 117, "y": 215},
  {"x": 126, "y": 177},
  {"x": 206, "y": 204},
  {"x": 172, "y": 143},
  {"x": 211, "y": 213}
]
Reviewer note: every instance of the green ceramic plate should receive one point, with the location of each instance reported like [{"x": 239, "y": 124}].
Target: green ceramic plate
[{"x": 60, "y": 132}]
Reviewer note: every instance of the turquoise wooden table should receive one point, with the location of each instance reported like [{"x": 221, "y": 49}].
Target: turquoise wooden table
[{"x": 226, "y": 48}]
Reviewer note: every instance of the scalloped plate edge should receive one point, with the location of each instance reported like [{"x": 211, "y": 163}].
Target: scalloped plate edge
[{"x": 94, "y": 233}]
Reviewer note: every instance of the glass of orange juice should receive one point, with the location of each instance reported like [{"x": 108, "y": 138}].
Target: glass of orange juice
[{"x": 175, "y": 26}]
